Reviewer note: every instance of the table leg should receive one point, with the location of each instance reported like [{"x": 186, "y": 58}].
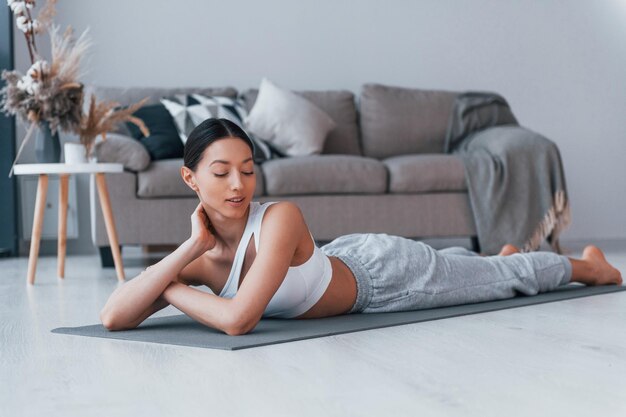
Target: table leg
[
  {"x": 62, "y": 233},
  {"x": 40, "y": 206},
  {"x": 109, "y": 222}
]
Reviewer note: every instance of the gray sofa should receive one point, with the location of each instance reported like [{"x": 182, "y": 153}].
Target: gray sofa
[{"x": 382, "y": 170}]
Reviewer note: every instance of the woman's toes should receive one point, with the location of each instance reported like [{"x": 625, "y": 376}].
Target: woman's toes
[{"x": 508, "y": 249}]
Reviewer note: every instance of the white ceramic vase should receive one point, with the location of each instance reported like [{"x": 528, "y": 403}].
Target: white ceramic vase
[{"x": 74, "y": 153}]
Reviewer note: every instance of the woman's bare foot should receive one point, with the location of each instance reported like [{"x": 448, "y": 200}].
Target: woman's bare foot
[
  {"x": 508, "y": 249},
  {"x": 593, "y": 269}
]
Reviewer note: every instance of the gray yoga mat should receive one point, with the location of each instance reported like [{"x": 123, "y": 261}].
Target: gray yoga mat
[{"x": 184, "y": 331}]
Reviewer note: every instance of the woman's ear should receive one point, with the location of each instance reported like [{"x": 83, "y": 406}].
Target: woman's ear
[{"x": 187, "y": 175}]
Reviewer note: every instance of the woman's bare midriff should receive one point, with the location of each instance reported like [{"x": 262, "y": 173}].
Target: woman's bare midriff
[{"x": 340, "y": 295}]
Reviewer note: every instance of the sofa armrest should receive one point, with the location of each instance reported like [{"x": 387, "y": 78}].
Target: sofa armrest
[{"x": 123, "y": 149}]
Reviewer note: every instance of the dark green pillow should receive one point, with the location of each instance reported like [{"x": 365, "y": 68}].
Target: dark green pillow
[{"x": 164, "y": 141}]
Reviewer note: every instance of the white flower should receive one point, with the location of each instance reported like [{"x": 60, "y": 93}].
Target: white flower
[
  {"x": 23, "y": 24},
  {"x": 18, "y": 7},
  {"x": 30, "y": 3},
  {"x": 37, "y": 26},
  {"x": 29, "y": 85},
  {"x": 37, "y": 69},
  {"x": 31, "y": 82}
]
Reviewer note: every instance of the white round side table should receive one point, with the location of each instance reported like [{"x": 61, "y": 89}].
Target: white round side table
[{"x": 64, "y": 171}]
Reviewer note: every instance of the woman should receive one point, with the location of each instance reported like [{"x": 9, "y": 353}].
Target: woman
[{"x": 282, "y": 273}]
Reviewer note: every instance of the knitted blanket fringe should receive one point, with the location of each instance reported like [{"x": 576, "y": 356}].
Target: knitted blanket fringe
[{"x": 557, "y": 219}]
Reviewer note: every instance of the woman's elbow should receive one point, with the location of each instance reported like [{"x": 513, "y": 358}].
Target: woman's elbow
[
  {"x": 233, "y": 331},
  {"x": 234, "y": 328},
  {"x": 236, "y": 331},
  {"x": 239, "y": 327},
  {"x": 109, "y": 321}
]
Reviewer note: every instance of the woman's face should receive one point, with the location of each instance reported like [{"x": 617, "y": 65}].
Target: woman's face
[{"x": 225, "y": 172}]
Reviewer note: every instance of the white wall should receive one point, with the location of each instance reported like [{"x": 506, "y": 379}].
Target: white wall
[{"x": 560, "y": 64}]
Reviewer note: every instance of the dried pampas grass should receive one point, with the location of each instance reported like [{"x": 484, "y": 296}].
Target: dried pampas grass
[
  {"x": 102, "y": 117},
  {"x": 66, "y": 54},
  {"x": 47, "y": 13}
]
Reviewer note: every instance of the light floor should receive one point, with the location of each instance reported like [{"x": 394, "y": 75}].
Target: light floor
[{"x": 565, "y": 358}]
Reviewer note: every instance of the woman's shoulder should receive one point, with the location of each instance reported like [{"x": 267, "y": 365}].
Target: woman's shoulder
[
  {"x": 275, "y": 203},
  {"x": 284, "y": 225},
  {"x": 283, "y": 215},
  {"x": 282, "y": 209}
]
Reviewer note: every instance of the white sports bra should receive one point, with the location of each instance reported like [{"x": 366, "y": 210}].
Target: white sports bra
[{"x": 304, "y": 284}]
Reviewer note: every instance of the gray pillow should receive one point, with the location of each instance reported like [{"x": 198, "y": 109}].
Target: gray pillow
[{"x": 123, "y": 149}]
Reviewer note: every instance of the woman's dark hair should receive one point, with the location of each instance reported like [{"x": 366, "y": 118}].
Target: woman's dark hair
[{"x": 205, "y": 134}]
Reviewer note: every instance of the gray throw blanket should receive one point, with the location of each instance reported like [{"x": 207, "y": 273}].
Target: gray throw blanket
[{"x": 515, "y": 177}]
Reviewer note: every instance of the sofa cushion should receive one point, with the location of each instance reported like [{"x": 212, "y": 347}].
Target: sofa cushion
[
  {"x": 425, "y": 173},
  {"x": 324, "y": 174},
  {"x": 162, "y": 179},
  {"x": 400, "y": 121},
  {"x": 123, "y": 149},
  {"x": 340, "y": 106}
]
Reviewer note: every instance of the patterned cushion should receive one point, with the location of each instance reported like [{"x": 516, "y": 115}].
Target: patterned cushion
[{"x": 189, "y": 110}]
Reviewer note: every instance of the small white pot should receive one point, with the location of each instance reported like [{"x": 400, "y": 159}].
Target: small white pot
[{"x": 74, "y": 153}]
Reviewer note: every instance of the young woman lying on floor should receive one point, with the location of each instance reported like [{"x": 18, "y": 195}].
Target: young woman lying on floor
[{"x": 282, "y": 273}]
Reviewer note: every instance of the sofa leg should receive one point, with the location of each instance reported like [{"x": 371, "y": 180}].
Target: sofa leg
[
  {"x": 106, "y": 256},
  {"x": 475, "y": 244}
]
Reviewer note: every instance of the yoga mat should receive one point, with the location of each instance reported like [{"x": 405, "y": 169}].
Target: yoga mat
[{"x": 184, "y": 331}]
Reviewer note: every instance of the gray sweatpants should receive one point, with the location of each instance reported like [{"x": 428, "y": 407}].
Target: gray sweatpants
[{"x": 398, "y": 274}]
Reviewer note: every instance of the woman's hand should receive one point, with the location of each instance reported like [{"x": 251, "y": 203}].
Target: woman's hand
[{"x": 201, "y": 234}]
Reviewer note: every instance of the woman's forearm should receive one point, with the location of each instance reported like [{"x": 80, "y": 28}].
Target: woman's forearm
[
  {"x": 208, "y": 309},
  {"x": 131, "y": 299}
]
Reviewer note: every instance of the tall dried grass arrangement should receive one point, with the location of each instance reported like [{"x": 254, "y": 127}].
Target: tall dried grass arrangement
[
  {"x": 102, "y": 117},
  {"x": 49, "y": 92},
  {"x": 52, "y": 91}
]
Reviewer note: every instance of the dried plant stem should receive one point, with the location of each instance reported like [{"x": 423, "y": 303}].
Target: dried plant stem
[
  {"x": 30, "y": 40},
  {"x": 140, "y": 124},
  {"x": 32, "y": 31},
  {"x": 30, "y": 49},
  {"x": 70, "y": 85}
]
